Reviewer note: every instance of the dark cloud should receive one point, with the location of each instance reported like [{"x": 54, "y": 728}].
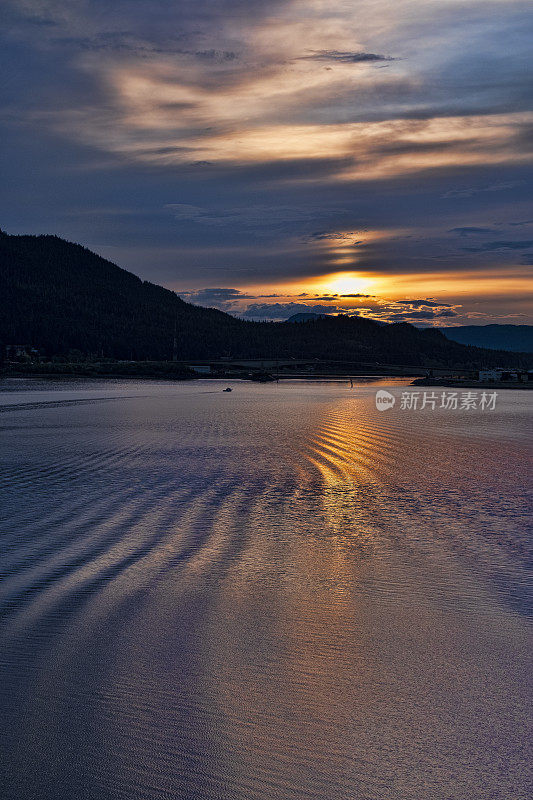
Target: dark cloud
[
  {"x": 501, "y": 245},
  {"x": 215, "y": 293},
  {"x": 255, "y": 216},
  {"x": 500, "y": 186},
  {"x": 471, "y": 231},
  {"x": 405, "y": 148},
  {"x": 412, "y": 315},
  {"x": 222, "y": 298},
  {"x": 126, "y": 42},
  {"x": 423, "y": 303},
  {"x": 216, "y": 55},
  {"x": 346, "y": 57},
  {"x": 334, "y": 236}
]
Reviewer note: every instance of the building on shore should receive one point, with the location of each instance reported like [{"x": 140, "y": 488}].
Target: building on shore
[
  {"x": 502, "y": 375},
  {"x": 20, "y": 352}
]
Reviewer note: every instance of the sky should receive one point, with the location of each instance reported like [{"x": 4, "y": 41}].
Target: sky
[{"x": 268, "y": 157}]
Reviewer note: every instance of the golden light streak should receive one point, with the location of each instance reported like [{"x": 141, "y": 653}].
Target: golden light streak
[{"x": 455, "y": 284}]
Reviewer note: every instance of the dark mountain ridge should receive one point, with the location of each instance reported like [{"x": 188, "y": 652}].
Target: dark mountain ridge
[
  {"x": 58, "y": 297},
  {"x": 516, "y": 338}
]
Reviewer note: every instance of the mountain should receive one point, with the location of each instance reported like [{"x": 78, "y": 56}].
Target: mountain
[
  {"x": 60, "y": 297},
  {"x": 516, "y": 338}
]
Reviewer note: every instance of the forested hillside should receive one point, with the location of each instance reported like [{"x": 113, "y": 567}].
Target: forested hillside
[{"x": 58, "y": 297}]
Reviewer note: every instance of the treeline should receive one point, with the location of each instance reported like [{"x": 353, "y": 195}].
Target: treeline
[
  {"x": 60, "y": 297},
  {"x": 76, "y": 367}
]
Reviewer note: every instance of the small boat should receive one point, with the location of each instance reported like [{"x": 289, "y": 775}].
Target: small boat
[{"x": 227, "y": 390}]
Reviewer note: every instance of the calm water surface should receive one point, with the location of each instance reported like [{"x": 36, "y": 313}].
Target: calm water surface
[{"x": 278, "y": 593}]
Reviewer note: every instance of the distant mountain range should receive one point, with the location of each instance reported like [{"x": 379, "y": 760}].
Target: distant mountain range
[
  {"x": 515, "y": 338},
  {"x": 62, "y": 299}
]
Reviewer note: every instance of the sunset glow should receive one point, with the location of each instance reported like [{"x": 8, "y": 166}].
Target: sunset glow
[
  {"x": 299, "y": 146},
  {"x": 346, "y": 283}
]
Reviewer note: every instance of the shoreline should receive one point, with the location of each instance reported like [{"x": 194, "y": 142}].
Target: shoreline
[{"x": 458, "y": 384}]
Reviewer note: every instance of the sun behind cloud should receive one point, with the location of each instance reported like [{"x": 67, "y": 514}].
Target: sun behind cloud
[{"x": 343, "y": 283}]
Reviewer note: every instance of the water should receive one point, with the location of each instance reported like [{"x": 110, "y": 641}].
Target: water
[{"x": 278, "y": 593}]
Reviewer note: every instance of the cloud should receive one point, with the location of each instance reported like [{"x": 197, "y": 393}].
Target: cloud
[
  {"x": 445, "y": 313},
  {"x": 222, "y": 293},
  {"x": 381, "y": 310},
  {"x": 346, "y": 57},
  {"x": 130, "y": 44},
  {"x": 471, "y": 231},
  {"x": 423, "y": 303},
  {"x": 222, "y": 298},
  {"x": 502, "y": 186},
  {"x": 216, "y": 55},
  {"x": 255, "y": 99},
  {"x": 256, "y": 216},
  {"x": 333, "y": 236},
  {"x": 185, "y": 211},
  {"x": 412, "y": 315},
  {"x": 501, "y": 245}
]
